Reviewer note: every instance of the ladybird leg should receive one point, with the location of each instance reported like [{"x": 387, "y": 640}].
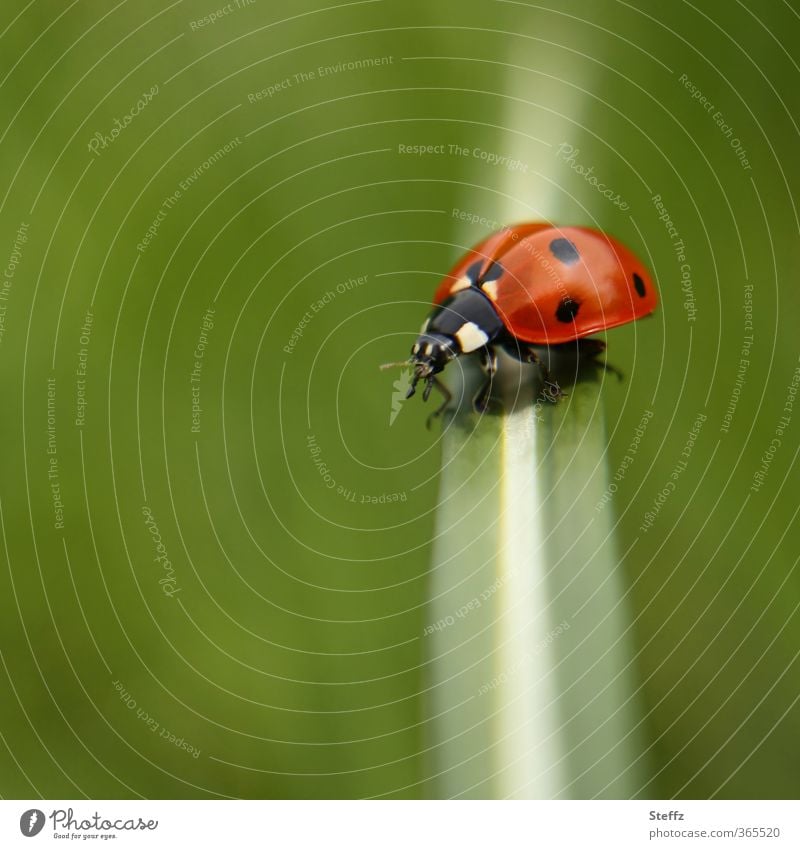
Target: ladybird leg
[
  {"x": 589, "y": 348},
  {"x": 413, "y": 385},
  {"x": 488, "y": 361},
  {"x": 552, "y": 391},
  {"x": 448, "y": 397}
]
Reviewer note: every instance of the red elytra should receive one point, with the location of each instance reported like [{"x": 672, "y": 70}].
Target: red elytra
[
  {"x": 525, "y": 287},
  {"x": 555, "y": 284}
]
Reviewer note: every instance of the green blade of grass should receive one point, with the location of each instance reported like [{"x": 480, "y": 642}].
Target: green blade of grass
[{"x": 532, "y": 693}]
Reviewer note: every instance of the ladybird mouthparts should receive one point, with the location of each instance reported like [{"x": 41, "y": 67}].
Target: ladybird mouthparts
[
  {"x": 422, "y": 371},
  {"x": 429, "y": 356}
]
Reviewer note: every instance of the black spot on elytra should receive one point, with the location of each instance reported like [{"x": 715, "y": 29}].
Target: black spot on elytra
[
  {"x": 564, "y": 251},
  {"x": 567, "y": 310},
  {"x": 638, "y": 284}
]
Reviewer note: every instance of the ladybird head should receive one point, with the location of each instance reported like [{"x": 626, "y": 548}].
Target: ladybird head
[{"x": 429, "y": 355}]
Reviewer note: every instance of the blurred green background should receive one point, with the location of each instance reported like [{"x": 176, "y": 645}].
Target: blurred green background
[{"x": 277, "y": 648}]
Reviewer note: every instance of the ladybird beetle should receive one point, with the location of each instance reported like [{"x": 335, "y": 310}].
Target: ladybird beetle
[{"x": 529, "y": 286}]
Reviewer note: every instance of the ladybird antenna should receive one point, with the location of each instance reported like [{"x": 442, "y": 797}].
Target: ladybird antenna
[{"x": 395, "y": 365}]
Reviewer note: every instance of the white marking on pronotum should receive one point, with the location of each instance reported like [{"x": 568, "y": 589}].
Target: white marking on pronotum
[
  {"x": 461, "y": 283},
  {"x": 428, "y": 349},
  {"x": 490, "y": 289},
  {"x": 471, "y": 337}
]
